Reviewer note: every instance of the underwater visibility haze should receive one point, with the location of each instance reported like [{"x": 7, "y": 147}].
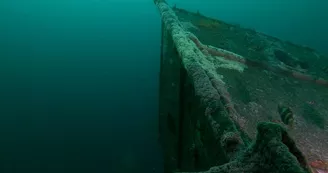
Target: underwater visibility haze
[
  {"x": 79, "y": 83},
  {"x": 79, "y": 79}
]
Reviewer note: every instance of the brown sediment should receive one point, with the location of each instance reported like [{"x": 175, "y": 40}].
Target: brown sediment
[{"x": 319, "y": 166}]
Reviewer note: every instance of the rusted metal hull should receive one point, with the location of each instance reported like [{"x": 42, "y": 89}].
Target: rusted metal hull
[{"x": 220, "y": 86}]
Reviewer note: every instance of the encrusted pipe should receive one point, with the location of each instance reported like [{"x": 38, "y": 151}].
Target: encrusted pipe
[
  {"x": 211, "y": 99},
  {"x": 214, "y": 51}
]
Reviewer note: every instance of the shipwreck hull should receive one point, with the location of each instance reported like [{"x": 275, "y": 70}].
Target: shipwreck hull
[{"x": 220, "y": 86}]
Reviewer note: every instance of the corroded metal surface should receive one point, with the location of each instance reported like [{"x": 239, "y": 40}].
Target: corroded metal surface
[{"x": 234, "y": 78}]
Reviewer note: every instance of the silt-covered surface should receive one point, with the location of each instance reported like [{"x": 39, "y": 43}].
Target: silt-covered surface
[{"x": 276, "y": 72}]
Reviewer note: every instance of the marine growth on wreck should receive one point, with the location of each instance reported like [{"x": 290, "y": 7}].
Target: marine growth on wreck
[{"x": 244, "y": 101}]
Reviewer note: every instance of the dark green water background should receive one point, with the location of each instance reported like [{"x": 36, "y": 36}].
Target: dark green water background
[{"x": 78, "y": 86}]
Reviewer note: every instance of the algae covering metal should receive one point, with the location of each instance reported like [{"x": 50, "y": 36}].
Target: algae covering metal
[{"x": 221, "y": 86}]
